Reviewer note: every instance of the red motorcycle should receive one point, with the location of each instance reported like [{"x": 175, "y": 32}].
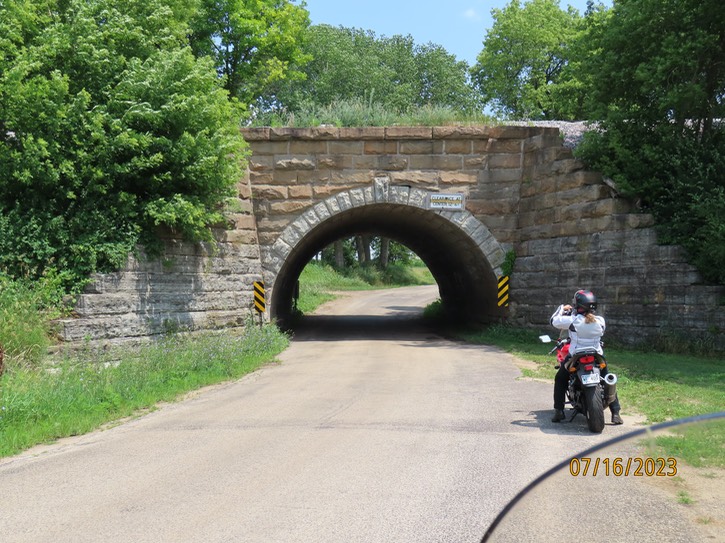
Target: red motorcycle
[{"x": 588, "y": 392}]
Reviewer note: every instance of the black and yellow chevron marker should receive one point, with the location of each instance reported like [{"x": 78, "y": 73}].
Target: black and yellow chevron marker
[
  {"x": 259, "y": 302},
  {"x": 503, "y": 291}
]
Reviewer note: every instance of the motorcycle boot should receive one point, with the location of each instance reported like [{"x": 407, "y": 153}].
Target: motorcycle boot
[
  {"x": 558, "y": 415},
  {"x": 614, "y": 408}
]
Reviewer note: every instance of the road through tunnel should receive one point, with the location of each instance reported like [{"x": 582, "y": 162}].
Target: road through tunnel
[{"x": 459, "y": 251}]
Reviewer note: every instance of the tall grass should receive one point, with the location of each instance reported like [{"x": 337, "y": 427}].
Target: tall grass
[
  {"x": 359, "y": 112},
  {"x": 41, "y": 401},
  {"x": 39, "y": 405},
  {"x": 661, "y": 386},
  {"x": 26, "y": 309}
]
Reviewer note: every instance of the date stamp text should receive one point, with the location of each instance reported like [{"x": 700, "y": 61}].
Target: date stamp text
[{"x": 623, "y": 467}]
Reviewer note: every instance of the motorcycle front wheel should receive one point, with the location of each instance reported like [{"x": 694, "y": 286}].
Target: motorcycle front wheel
[{"x": 594, "y": 408}]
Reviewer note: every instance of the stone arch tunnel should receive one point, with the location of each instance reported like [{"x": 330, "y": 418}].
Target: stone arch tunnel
[{"x": 462, "y": 255}]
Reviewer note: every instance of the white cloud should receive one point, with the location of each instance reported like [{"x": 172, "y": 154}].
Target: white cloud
[{"x": 472, "y": 15}]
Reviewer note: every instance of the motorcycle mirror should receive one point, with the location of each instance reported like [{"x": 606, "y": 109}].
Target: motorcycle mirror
[{"x": 545, "y": 339}]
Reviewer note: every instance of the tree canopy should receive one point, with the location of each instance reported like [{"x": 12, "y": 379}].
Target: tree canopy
[
  {"x": 659, "y": 60},
  {"x": 254, "y": 43},
  {"x": 355, "y": 64},
  {"x": 522, "y": 69}
]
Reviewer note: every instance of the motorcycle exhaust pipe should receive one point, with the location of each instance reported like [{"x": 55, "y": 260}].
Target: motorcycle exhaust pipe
[{"x": 610, "y": 388}]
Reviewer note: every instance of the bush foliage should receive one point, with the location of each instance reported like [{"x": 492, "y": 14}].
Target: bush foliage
[{"x": 110, "y": 128}]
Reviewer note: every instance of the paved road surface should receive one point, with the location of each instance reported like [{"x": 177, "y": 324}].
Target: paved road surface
[{"x": 370, "y": 429}]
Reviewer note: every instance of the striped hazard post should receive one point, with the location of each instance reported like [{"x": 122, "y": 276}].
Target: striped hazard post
[
  {"x": 259, "y": 302},
  {"x": 503, "y": 291}
]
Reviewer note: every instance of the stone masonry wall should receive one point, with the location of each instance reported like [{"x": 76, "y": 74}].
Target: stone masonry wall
[
  {"x": 568, "y": 228},
  {"x": 291, "y": 169},
  {"x": 575, "y": 232},
  {"x": 190, "y": 287}
]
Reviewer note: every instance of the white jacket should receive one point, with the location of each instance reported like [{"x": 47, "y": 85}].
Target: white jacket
[{"x": 583, "y": 335}]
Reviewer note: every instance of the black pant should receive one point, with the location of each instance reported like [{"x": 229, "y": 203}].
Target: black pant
[{"x": 561, "y": 383}]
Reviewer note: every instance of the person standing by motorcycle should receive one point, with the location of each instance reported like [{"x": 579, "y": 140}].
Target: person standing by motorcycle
[{"x": 585, "y": 332}]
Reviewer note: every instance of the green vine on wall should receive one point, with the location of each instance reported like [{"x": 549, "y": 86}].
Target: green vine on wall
[{"x": 507, "y": 268}]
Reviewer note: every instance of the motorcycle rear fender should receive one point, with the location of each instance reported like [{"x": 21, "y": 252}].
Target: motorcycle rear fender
[{"x": 573, "y": 363}]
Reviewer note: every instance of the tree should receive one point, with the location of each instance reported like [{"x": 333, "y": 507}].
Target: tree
[
  {"x": 366, "y": 250},
  {"x": 443, "y": 80},
  {"x": 521, "y": 71},
  {"x": 111, "y": 128},
  {"x": 351, "y": 64},
  {"x": 657, "y": 72},
  {"x": 255, "y": 44},
  {"x": 660, "y": 61}
]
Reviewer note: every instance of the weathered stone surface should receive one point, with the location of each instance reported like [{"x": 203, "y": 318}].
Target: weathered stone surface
[
  {"x": 255, "y": 134},
  {"x": 346, "y": 148},
  {"x": 272, "y": 148},
  {"x": 415, "y": 178},
  {"x": 300, "y": 191},
  {"x": 294, "y": 163},
  {"x": 380, "y": 147},
  {"x": 416, "y": 148},
  {"x": 461, "y": 132},
  {"x": 302, "y": 147},
  {"x": 458, "y": 178},
  {"x": 408, "y": 132},
  {"x": 335, "y": 162},
  {"x": 363, "y": 134},
  {"x": 436, "y": 162},
  {"x": 272, "y": 192},
  {"x": 457, "y": 147}
]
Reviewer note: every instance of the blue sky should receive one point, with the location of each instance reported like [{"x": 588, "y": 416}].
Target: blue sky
[{"x": 458, "y": 25}]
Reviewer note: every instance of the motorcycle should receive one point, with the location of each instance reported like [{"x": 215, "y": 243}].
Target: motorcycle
[{"x": 588, "y": 392}]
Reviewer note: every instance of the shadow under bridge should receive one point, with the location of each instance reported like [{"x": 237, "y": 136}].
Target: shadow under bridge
[{"x": 463, "y": 256}]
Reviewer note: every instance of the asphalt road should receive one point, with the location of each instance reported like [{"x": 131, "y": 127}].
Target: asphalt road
[{"x": 371, "y": 428}]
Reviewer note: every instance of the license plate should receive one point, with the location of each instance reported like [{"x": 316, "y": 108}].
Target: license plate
[{"x": 590, "y": 379}]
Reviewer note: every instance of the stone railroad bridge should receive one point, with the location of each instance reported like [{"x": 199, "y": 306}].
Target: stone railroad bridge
[{"x": 507, "y": 191}]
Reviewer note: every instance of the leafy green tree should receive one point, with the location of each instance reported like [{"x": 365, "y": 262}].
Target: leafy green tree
[
  {"x": 255, "y": 44},
  {"x": 111, "y": 128},
  {"x": 660, "y": 61},
  {"x": 658, "y": 87},
  {"x": 443, "y": 80},
  {"x": 522, "y": 69},
  {"x": 350, "y": 64}
]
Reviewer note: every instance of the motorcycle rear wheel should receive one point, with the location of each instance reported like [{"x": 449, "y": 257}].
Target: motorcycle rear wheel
[{"x": 594, "y": 408}]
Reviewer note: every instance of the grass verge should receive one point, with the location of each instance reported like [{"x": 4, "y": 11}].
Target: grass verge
[{"x": 38, "y": 405}]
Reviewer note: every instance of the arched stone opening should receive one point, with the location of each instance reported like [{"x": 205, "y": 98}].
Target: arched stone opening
[{"x": 460, "y": 252}]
